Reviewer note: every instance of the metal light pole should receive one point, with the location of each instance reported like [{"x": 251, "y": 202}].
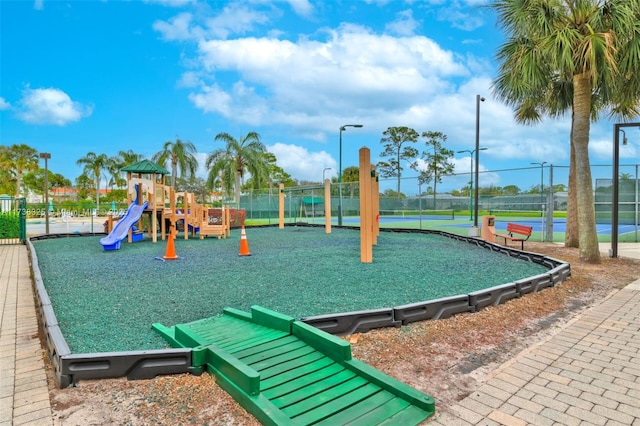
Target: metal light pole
[
  {"x": 475, "y": 208},
  {"x": 342, "y": 129},
  {"x": 324, "y": 170},
  {"x": 46, "y": 157},
  {"x": 471, "y": 151},
  {"x": 617, "y": 128},
  {"x": 541, "y": 195}
]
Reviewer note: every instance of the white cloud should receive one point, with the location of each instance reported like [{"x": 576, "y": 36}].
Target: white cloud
[
  {"x": 404, "y": 24},
  {"x": 460, "y": 18},
  {"x": 601, "y": 149},
  {"x": 301, "y": 7},
  {"x": 50, "y": 106},
  {"x": 171, "y": 3},
  {"x": 212, "y": 99},
  {"x": 313, "y": 84},
  {"x": 178, "y": 27},
  {"x": 302, "y": 164},
  {"x": 4, "y": 104},
  {"x": 202, "y": 171},
  {"x": 189, "y": 79},
  {"x": 631, "y": 151},
  {"x": 233, "y": 19},
  {"x": 309, "y": 81}
]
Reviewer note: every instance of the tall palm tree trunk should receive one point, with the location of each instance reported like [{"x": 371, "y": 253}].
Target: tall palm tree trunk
[
  {"x": 237, "y": 189},
  {"x": 18, "y": 183},
  {"x": 572, "y": 232},
  {"x": 588, "y": 239},
  {"x": 174, "y": 172},
  {"x": 97, "y": 193}
]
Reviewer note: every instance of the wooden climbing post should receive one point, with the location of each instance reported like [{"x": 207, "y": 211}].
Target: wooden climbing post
[
  {"x": 281, "y": 206},
  {"x": 366, "y": 224},
  {"x": 375, "y": 205},
  {"x": 327, "y": 206}
]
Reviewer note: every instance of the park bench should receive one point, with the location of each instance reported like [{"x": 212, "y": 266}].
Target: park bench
[{"x": 523, "y": 231}]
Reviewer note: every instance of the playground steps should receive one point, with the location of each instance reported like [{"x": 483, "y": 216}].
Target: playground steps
[
  {"x": 286, "y": 372},
  {"x": 216, "y": 230}
]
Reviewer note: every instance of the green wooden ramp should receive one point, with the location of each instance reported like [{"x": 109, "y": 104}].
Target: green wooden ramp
[{"x": 286, "y": 372}]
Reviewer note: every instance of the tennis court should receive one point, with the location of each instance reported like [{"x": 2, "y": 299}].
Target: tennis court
[
  {"x": 559, "y": 225},
  {"x": 451, "y": 222}
]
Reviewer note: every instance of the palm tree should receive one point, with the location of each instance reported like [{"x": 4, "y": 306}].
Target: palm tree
[
  {"x": 113, "y": 167},
  {"x": 129, "y": 157},
  {"x": 181, "y": 154},
  {"x": 625, "y": 176},
  {"x": 95, "y": 164},
  {"x": 20, "y": 158},
  {"x": 124, "y": 159},
  {"x": 7, "y": 174},
  {"x": 240, "y": 156},
  {"x": 577, "y": 55}
]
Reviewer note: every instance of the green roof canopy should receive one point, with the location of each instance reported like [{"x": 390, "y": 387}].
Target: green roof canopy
[
  {"x": 146, "y": 166},
  {"x": 312, "y": 200}
]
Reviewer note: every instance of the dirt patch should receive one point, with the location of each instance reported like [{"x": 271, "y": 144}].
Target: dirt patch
[{"x": 447, "y": 359}]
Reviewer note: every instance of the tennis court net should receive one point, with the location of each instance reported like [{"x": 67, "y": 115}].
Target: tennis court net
[{"x": 447, "y": 214}]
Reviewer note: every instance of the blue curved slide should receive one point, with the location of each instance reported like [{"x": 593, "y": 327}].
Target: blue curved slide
[{"x": 120, "y": 231}]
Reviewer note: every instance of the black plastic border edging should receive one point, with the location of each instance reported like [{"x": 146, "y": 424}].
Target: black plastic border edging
[
  {"x": 70, "y": 368},
  {"x": 362, "y": 321}
]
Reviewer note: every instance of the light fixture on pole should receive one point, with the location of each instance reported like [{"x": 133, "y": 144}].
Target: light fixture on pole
[
  {"x": 615, "y": 194},
  {"x": 475, "y": 207},
  {"x": 471, "y": 152},
  {"x": 342, "y": 129},
  {"x": 46, "y": 156},
  {"x": 324, "y": 170}
]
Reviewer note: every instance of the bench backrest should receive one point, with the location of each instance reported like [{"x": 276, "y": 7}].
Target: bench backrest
[{"x": 519, "y": 229}]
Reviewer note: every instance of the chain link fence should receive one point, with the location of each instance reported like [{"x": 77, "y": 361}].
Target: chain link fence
[{"x": 501, "y": 192}]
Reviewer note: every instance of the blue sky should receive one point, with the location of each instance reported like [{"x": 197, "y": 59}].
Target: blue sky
[{"x": 105, "y": 76}]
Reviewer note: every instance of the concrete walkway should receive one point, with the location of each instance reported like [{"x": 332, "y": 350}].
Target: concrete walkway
[{"x": 586, "y": 374}]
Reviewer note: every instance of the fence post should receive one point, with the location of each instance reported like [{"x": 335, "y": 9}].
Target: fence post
[
  {"x": 22, "y": 208},
  {"x": 550, "y": 207}
]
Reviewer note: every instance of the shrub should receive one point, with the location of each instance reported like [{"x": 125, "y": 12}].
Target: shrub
[{"x": 10, "y": 224}]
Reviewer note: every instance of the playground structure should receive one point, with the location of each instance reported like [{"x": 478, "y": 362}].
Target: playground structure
[{"x": 148, "y": 195}]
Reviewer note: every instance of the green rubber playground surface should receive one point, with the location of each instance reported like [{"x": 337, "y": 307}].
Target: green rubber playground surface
[{"x": 107, "y": 300}]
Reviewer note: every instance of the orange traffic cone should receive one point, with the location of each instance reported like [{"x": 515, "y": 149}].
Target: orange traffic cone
[
  {"x": 170, "y": 254},
  {"x": 244, "y": 244}
]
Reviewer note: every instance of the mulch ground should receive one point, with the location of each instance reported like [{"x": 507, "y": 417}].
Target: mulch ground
[{"x": 447, "y": 358}]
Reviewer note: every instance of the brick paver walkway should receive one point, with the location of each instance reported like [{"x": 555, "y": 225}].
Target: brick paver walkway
[
  {"x": 587, "y": 374},
  {"x": 24, "y": 395}
]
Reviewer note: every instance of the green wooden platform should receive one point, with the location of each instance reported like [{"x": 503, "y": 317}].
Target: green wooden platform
[{"x": 286, "y": 372}]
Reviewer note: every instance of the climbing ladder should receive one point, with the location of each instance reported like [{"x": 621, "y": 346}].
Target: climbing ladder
[{"x": 286, "y": 372}]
